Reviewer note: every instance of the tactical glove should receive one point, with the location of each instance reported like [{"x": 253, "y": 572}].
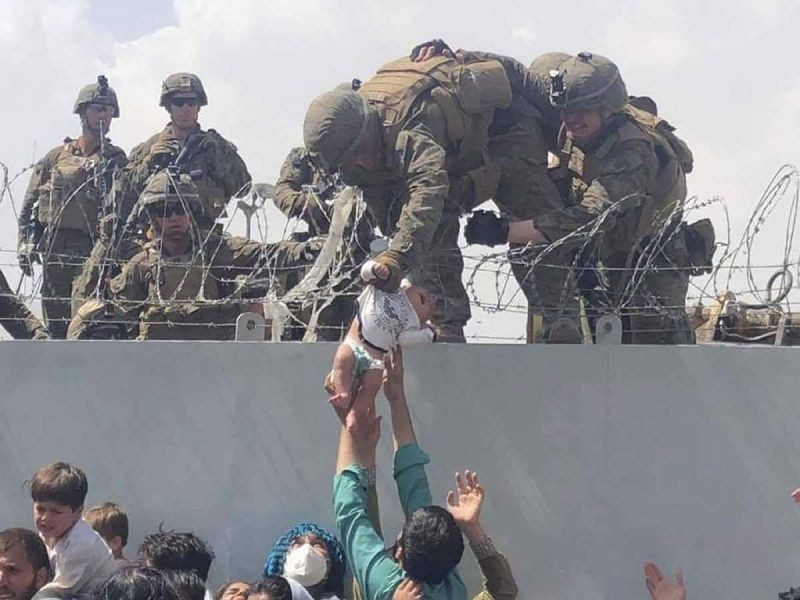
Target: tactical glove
[
  {"x": 440, "y": 48},
  {"x": 486, "y": 228},
  {"x": 390, "y": 260}
]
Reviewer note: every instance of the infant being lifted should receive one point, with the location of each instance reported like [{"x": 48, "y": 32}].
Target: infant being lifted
[{"x": 384, "y": 320}]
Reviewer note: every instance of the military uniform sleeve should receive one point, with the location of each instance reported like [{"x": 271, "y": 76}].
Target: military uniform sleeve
[
  {"x": 624, "y": 178},
  {"x": 17, "y": 318},
  {"x": 247, "y": 255},
  {"x": 517, "y": 73},
  {"x": 129, "y": 289},
  {"x": 420, "y": 149},
  {"x": 226, "y": 167},
  {"x": 39, "y": 175},
  {"x": 295, "y": 173}
]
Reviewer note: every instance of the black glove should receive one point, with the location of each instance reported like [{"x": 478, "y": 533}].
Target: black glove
[
  {"x": 486, "y": 228},
  {"x": 440, "y": 49}
]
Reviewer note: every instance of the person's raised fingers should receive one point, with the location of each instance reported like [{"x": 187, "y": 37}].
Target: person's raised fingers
[{"x": 450, "y": 500}]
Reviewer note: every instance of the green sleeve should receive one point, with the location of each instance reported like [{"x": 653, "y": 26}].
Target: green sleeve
[
  {"x": 421, "y": 151},
  {"x": 376, "y": 574},
  {"x": 409, "y": 475}
]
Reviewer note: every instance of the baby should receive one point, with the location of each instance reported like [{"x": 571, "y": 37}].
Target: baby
[{"x": 384, "y": 320}]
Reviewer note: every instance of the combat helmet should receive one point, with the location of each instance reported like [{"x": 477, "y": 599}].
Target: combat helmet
[
  {"x": 588, "y": 81},
  {"x": 543, "y": 65},
  {"x": 182, "y": 83},
  {"x": 164, "y": 187},
  {"x": 97, "y": 93},
  {"x": 335, "y": 124}
]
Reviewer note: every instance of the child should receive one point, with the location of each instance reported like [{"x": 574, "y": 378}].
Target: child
[
  {"x": 79, "y": 557},
  {"x": 111, "y": 522},
  {"x": 384, "y": 320}
]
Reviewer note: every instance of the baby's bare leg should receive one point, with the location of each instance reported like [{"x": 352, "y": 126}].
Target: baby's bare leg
[
  {"x": 364, "y": 403},
  {"x": 339, "y": 382}
]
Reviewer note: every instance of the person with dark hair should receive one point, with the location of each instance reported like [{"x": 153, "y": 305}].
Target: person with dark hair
[
  {"x": 313, "y": 557},
  {"x": 111, "y": 522},
  {"x": 430, "y": 544},
  {"x": 79, "y": 557},
  {"x": 233, "y": 590},
  {"x": 24, "y": 564},
  {"x": 177, "y": 551},
  {"x": 187, "y": 584},
  {"x": 271, "y": 588},
  {"x": 136, "y": 582}
]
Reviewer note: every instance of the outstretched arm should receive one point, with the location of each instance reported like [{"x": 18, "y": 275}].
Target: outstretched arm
[{"x": 465, "y": 505}]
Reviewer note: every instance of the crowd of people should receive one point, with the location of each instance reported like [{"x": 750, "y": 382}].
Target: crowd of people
[
  {"x": 77, "y": 554},
  {"x": 590, "y": 182}
]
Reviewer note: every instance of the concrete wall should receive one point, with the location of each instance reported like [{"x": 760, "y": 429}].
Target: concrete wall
[{"x": 595, "y": 458}]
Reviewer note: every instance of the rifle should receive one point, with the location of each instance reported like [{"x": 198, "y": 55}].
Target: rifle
[{"x": 103, "y": 175}]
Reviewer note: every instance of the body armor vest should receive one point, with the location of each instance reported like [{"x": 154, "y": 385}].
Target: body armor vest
[
  {"x": 70, "y": 199},
  {"x": 180, "y": 278},
  {"x": 468, "y": 95},
  {"x": 667, "y": 189}
]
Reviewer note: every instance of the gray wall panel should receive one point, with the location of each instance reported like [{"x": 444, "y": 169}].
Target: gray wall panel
[{"x": 595, "y": 458}]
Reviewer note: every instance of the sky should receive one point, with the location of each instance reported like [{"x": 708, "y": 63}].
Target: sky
[{"x": 724, "y": 73}]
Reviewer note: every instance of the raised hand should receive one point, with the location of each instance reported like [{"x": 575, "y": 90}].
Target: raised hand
[
  {"x": 796, "y": 496},
  {"x": 393, "y": 375},
  {"x": 466, "y": 502},
  {"x": 661, "y": 588}
]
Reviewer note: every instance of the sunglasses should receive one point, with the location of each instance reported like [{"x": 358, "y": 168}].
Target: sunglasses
[
  {"x": 167, "y": 210},
  {"x": 185, "y": 102}
]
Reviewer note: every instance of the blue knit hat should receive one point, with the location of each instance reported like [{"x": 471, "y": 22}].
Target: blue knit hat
[{"x": 277, "y": 557}]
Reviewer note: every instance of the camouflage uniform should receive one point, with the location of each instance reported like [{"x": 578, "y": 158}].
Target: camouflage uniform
[
  {"x": 189, "y": 296},
  {"x": 444, "y": 148},
  {"x": 214, "y": 163},
  {"x": 516, "y": 178},
  {"x": 66, "y": 202},
  {"x": 90, "y": 307},
  {"x": 636, "y": 163},
  {"x": 295, "y": 199},
  {"x": 218, "y": 170},
  {"x": 16, "y": 318}
]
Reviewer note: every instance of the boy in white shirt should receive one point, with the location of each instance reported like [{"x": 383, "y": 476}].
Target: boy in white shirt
[
  {"x": 79, "y": 557},
  {"x": 384, "y": 320}
]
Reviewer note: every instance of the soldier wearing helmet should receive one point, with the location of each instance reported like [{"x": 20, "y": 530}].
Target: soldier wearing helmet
[
  {"x": 517, "y": 159},
  {"x": 213, "y": 162},
  {"x": 428, "y": 140},
  {"x": 64, "y": 199},
  {"x": 623, "y": 172},
  {"x": 182, "y": 284}
]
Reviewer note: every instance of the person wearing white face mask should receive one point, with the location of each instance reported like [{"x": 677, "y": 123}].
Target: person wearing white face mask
[{"x": 311, "y": 556}]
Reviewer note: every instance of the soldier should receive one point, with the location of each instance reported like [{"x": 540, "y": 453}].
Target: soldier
[
  {"x": 623, "y": 170},
  {"x": 181, "y": 285},
  {"x": 17, "y": 318},
  {"x": 428, "y": 141},
  {"x": 213, "y": 162},
  {"x": 305, "y": 192},
  {"x": 65, "y": 199}
]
